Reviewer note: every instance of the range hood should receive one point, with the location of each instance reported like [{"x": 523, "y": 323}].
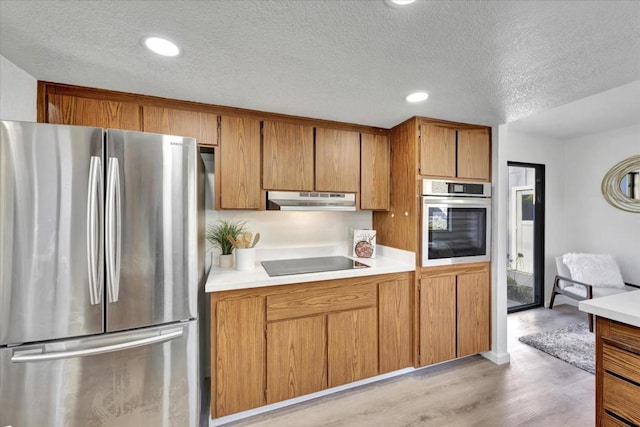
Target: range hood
[{"x": 310, "y": 201}]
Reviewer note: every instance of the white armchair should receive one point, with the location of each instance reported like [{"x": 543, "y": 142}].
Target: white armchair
[{"x": 586, "y": 276}]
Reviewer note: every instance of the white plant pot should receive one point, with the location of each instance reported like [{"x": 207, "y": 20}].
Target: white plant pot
[
  {"x": 245, "y": 259},
  {"x": 226, "y": 261}
]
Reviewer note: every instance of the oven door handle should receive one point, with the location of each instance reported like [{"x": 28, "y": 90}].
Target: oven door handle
[{"x": 473, "y": 203}]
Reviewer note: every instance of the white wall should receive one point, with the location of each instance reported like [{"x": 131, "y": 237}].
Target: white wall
[
  {"x": 592, "y": 224},
  {"x": 18, "y": 93},
  {"x": 577, "y": 217},
  {"x": 527, "y": 148}
]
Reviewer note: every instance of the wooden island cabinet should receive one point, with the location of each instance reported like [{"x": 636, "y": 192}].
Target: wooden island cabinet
[
  {"x": 276, "y": 343},
  {"x": 617, "y": 373}
]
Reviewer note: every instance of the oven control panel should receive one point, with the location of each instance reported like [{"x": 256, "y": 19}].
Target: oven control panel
[{"x": 433, "y": 187}]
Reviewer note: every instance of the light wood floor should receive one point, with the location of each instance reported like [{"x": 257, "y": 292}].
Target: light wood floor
[{"x": 533, "y": 390}]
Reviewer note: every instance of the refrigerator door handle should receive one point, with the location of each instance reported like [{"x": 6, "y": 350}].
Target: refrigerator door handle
[
  {"x": 31, "y": 356},
  {"x": 95, "y": 252},
  {"x": 113, "y": 227}
]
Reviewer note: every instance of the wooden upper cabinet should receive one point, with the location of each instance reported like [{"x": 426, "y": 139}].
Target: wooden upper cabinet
[
  {"x": 474, "y": 154},
  {"x": 287, "y": 156},
  {"x": 437, "y": 151},
  {"x": 199, "y": 125},
  {"x": 73, "y": 110},
  {"x": 447, "y": 152},
  {"x": 374, "y": 172},
  {"x": 238, "y": 168},
  {"x": 337, "y": 160}
]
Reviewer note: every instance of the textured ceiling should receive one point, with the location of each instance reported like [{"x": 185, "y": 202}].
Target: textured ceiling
[
  {"x": 611, "y": 109},
  {"x": 484, "y": 62}
]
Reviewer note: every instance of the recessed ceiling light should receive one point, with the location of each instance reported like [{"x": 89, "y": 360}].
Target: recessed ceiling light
[
  {"x": 417, "y": 97},
  {"x": 399, "y": 3},
  {"x": 161, "y": 46}
]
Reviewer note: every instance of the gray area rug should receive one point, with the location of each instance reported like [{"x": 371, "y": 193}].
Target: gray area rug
[{"x": 573, "y": 344}]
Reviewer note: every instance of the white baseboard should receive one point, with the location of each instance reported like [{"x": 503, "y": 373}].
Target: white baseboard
[
  {"x": 251, "y": 412},
  {"x": 497, "y": 358}
]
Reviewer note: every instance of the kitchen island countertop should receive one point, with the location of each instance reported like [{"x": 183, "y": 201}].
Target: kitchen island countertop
[
  {"x": 623, "y": 307},
  {"x": 388, "y": 260}
]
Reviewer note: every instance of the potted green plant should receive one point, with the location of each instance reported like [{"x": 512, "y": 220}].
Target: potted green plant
[{"x": 217, "y": 235}]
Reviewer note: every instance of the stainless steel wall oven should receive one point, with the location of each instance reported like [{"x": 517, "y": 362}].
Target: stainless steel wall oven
[{"x": 456, "y": 222}]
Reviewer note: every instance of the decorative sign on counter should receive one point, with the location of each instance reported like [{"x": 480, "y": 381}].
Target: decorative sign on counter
[{"x": 364, "y": 243}]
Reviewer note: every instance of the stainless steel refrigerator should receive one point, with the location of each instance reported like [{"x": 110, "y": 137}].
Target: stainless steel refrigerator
[{"x": 99, "y": 277}]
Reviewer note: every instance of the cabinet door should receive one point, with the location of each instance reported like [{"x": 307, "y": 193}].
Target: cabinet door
[
  {"x": 337, "y": 160},
  {"x": 240, "y": 347},
  {"x": 374, "y": 173},
  {"x": 437, "y": 151},
  {"x": 239, "y": 166},
  {"x": 474, "y": 313},
  {"x": 72, "y": 110},
  {"x": 201, "y": 126},
  {"x": 474, "y": 154},
  {"x": 394, "y": 316},
  {"x": 287, "y": 156},
  {"x": 296, "y": 358},
  {"x": 353, "y": 346},
  {"x": 437, "y": 319}
]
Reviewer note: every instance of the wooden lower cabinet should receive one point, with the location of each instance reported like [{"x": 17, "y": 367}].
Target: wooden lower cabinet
[
  {"x": 296, "y": 357},
  {"x": 473, "y": 313},
  {"x": 239, "y": 348},
  {"x": 395, "y": 324},
  {"x": 276, "y": 343},
  {"x": 437, "y": 319},
  {"x": 454, "y": 312},
  {"x": 353, "y": 346}
]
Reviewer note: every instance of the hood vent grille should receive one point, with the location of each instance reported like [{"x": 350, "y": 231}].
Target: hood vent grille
[{"x": 310, "y": 201}]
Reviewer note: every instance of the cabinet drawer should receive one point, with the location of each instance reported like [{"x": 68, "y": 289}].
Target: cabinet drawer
[
  {"x": 625, "y": 333},
  {"x": 621, "y": 398},
  {"x": 610, "y": 421},
  {"x": 621, "y": 362},
  {"x": 308, "y": 302}
]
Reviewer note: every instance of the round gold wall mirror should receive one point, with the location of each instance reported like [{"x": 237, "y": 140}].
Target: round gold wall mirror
[{"x": 621, "y": 185}]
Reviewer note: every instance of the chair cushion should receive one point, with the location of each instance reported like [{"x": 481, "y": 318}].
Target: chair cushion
[
  {"x": 598, "y": 270},
  {"x": 581, "y": 291}
]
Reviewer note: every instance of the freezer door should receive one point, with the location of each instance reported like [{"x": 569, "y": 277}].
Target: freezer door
[
  {"x": 150, "y": 229},
  {"x": 50, "y": 231},
  {"x": 129, "y": 379}
]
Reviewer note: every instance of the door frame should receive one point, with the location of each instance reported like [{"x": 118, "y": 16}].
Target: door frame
[{"x": 538, "y": 235}]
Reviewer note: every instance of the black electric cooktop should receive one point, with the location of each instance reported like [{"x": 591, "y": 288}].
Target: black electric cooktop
[{"x": 285, "y": 267}]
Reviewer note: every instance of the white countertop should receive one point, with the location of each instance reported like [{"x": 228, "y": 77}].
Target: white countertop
[
  {"x": 623, "y": 307},
  {"x": 387, "y": 260}
]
